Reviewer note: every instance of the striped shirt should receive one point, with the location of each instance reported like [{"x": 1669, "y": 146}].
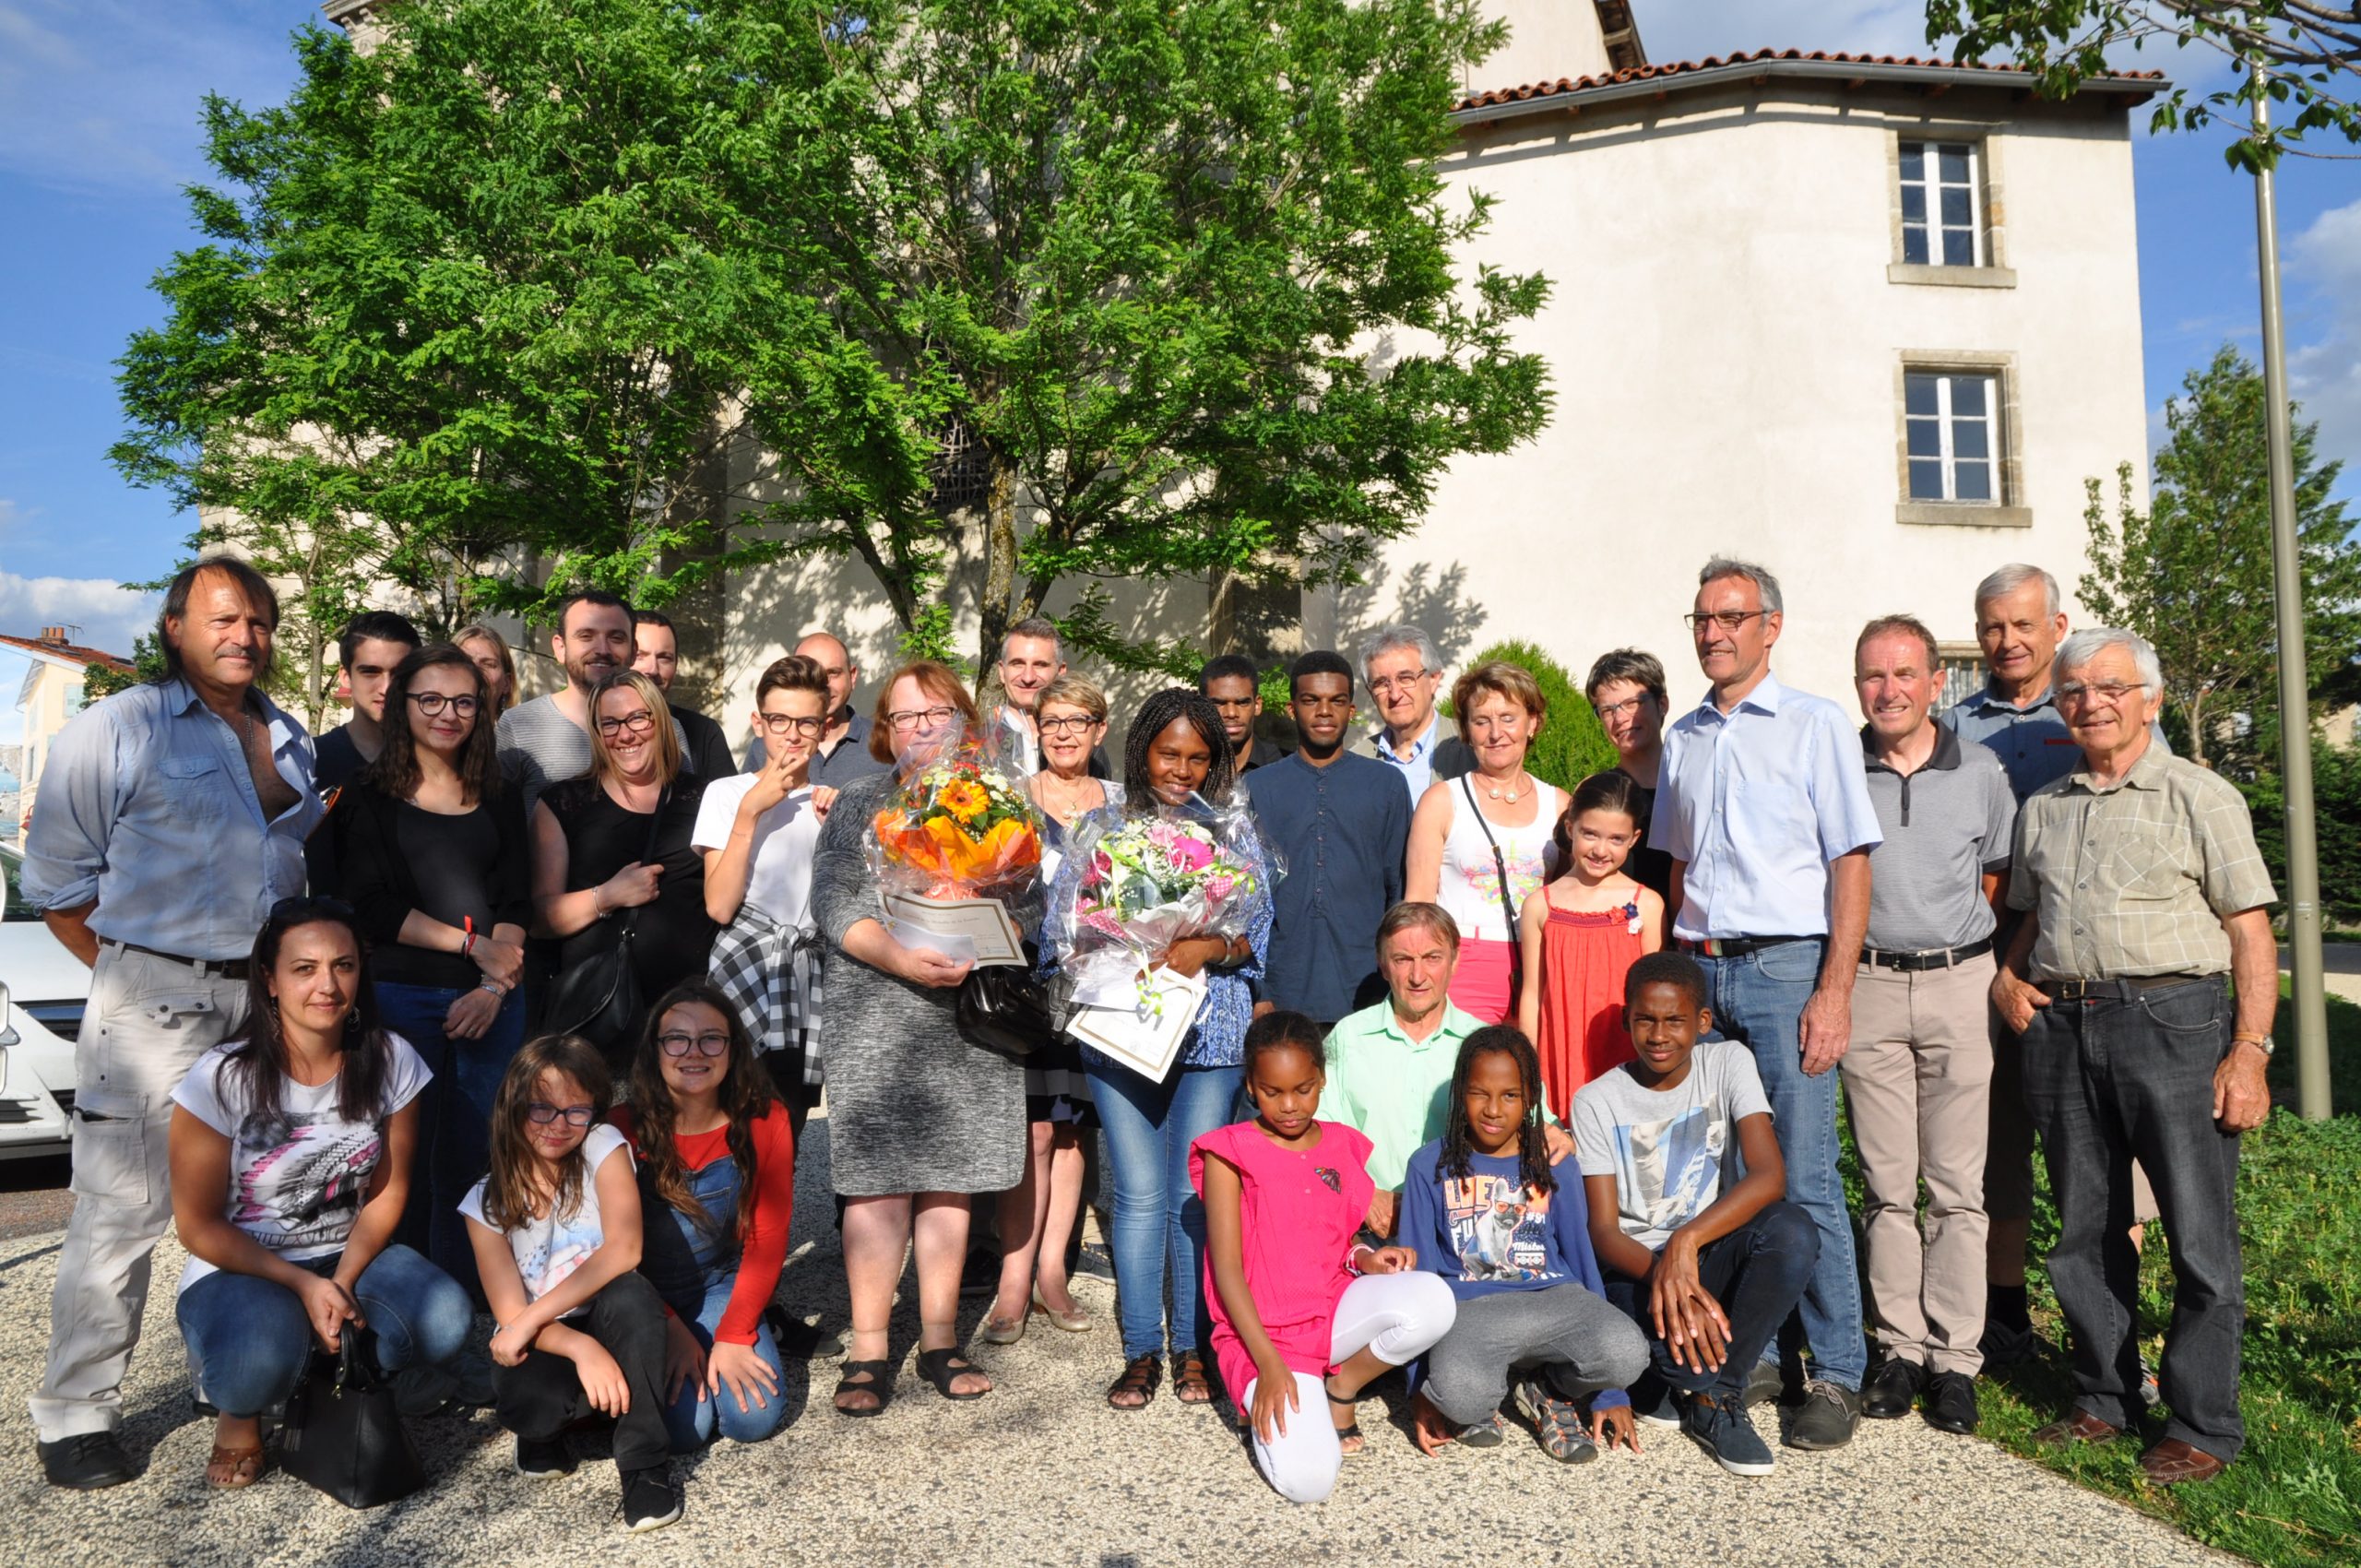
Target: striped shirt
[{"x": 2135, "y": 878}]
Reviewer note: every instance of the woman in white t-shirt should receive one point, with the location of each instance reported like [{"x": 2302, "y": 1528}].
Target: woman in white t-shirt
[
  {"x": 757, "y": 832},
  {"x": 556, "y": 1232},
  {"x": 1480, "y": 843},
  {"x": 290, "y": 1164}
]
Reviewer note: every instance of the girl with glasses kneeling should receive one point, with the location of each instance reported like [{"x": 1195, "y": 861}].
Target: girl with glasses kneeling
[
  {"x": 290, "y": 1160},
  {"x": 557, "y": 1239},
  {"x": 717, "y": 1181}
]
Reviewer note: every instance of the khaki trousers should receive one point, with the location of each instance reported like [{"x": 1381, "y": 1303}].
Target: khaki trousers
[
  {"x": 148, "y": 1021},
  {"x": 1919, "y": 1077}
]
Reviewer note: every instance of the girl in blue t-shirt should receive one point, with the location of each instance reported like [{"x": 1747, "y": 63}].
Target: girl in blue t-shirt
[{"x": 1481, "y": 1207}]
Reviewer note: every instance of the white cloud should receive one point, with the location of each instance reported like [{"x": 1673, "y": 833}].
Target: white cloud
[
  {"x": 109, "y": 615},
  {"x": 2325, "y": 376},
  {"x": 106, "y": 95}
]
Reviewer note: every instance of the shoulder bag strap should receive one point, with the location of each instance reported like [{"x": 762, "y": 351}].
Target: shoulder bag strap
[
  {"x": 663, "y": 799},
  {"x": 1508, "y": 905}
]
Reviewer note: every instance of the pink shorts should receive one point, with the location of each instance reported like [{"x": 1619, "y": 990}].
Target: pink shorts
[{"x": 1480, "y": 984}]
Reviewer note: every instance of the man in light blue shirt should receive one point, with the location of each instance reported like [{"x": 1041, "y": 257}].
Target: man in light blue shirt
[
  {"x": 1763, "y": 805},
  {"x": 168, "y": 819},
  {"x": 1403, "y": 671}
]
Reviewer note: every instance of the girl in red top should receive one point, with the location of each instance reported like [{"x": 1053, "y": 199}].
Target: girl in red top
[
  {"x": 1301, "y": 1308},
  {"x": 717, "y": 1172},
  {"x": 1580, "y": 933}
]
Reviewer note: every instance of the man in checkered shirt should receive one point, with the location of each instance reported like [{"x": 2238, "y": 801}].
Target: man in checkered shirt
[{"x": 2143, "y": 889}]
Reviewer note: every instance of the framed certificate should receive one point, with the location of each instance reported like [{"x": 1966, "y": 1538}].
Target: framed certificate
[
  {"x": 1139, "y": 1022},
  {"x": 973, "y": 926}
]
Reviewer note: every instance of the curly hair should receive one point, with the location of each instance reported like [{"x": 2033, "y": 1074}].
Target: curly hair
[
  {"x": 1162, "y": 710},
  {"x": 745, "y": 1096},
  {"x": 1458, "y": 1144}
]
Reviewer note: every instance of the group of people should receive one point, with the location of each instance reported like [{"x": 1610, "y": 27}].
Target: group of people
[{"x": 336, "y": 1038}]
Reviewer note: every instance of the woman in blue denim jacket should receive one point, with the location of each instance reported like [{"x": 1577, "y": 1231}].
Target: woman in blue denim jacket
[{"x": 1176, "y": 749}]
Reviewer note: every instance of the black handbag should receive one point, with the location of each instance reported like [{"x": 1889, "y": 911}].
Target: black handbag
[
  {"x": 596, "y": 995},
  {"x": 344, "y": 1435},
  {"x": 1007, "y": 1009}
]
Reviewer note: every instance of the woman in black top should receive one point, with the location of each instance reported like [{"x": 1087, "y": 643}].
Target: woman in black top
[
  {"x": 428, "y": 846},
  {"x": 619, "y": 838},
  {"x": 1626, "y": 688}
]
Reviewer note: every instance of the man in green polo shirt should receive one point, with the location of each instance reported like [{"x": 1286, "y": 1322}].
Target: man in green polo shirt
[{"x": 1389, "y": 1065}]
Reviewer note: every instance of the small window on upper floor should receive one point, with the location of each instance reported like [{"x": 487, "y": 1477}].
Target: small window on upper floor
[
  {"x": 1942, "y": 206},
  {"x": 1952, "y": 435}
]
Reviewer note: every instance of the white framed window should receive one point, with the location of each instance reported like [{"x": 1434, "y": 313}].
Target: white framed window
[
  {"x": 1951, "y": 435},
  {"x": 1942, "y": 204}
]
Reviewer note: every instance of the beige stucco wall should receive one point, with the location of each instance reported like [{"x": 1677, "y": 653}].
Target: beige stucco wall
[
  {"x": 1548, "y": 40},
  {"x": 1726, "y": 345},
  {"x": 51, "y": 696}
]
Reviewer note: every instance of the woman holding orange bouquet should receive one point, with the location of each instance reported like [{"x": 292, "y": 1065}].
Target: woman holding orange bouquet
[{"x": 918, "y": 1119}]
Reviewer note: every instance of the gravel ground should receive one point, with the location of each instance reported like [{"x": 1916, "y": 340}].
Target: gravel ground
[{"x": 1042, "y": 1471}]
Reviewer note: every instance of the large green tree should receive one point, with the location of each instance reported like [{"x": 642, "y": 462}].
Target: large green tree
[
  {"x": 1071, "y": 292},
  {"x": 2192, "y": 575}
]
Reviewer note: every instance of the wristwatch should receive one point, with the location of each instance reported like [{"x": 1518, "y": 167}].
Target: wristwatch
[{"x": 2263, "y": 1043}]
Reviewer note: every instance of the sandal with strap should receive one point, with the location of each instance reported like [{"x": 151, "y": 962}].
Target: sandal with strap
[
  {"x": 1559, "y": 1424},
  {"x": 1349, "y": 1436},
  {"x": 231, "y": 1468},
  {"x": 1141, "y": 1376},
  {"x": 939, "y": 1367},
  {"x": 1188, "y": 1383},
  {"x": 880, "y": 1387}
]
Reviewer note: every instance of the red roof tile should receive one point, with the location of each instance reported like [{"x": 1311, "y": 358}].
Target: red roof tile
[
  {"x": 1565, "y": 86},
  {"x": 74, "y": 651}
]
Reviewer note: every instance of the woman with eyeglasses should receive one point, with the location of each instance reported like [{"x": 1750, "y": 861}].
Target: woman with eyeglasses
[
  {"x": 716, "y": 1187},
  {"x": 1037, "y": 1216},
  {"x": 918, "y": 1119},
  {"x": 290, "y": 1165},
  {"x": 428, "y": 845},
  {"x": 619, "y": 838},
  {"x": 758, "y": 831}
]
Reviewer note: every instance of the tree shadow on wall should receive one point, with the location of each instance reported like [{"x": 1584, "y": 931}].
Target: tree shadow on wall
[{"x": 1433, "y": 599}]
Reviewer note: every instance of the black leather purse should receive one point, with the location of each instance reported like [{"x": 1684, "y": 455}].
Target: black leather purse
[
  {"x": 344, "y": 1435},
  {"x": 596, "y": 996},
  {"x": 1008, "y": 1010}
]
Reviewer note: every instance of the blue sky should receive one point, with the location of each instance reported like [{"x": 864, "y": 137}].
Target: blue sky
[{"x": 99, "y": 104}]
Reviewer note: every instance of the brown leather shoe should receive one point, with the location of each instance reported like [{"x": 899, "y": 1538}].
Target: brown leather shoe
[
  {"x": 2078, "y": 1425},
  {"x": 2175, "y": 1463}
]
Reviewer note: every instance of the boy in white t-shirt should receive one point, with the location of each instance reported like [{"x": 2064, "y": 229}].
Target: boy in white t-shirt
[{"x": 1689, "y": 1216}]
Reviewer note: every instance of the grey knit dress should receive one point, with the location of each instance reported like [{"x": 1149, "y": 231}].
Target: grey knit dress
[{"x": 912, "y": 1107}]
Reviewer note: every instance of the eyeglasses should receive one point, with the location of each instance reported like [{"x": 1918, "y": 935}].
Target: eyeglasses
[
  {"x": 433, "y": 703},
  {"x": 1078, "y": 725},
  {"x": 543, "y": 1114},
  {"x": 1727, "y": 620},
  {"x": 638, "y": 723},
  {"x": 912, "y": 718},
  {"x": 1386, "y": 685},
  {"x": 1628, "y": 708},
  {"x": 2110, "y": 692},
  {"x": 678, "y": 1044},
  {"x": 787, "y": 723}
]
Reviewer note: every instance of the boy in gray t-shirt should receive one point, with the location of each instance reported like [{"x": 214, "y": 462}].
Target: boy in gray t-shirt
[{"x": 1689, "y": 1214}]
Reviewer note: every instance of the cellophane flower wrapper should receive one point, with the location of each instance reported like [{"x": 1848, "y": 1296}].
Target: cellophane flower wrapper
[
  {"x": 957, "y": 826},
  {"x": 1148, "y": 881}
]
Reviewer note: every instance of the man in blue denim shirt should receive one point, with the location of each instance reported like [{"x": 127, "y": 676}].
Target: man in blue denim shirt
[
  {"x": 1763, "y": 804},
  {"x": 168, "y": 819}
]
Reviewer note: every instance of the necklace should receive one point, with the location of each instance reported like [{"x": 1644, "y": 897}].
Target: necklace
[{"x": 1511, "y": 794}]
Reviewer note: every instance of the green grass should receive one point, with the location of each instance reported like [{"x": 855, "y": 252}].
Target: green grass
[{"x": 2294, "y": 1498}]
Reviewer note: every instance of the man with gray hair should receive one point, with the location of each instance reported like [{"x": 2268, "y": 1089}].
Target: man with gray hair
[
  {"x": 1402, "y": 670},
  {"x": 2142, "y": 889},
  {"x": 1763, "y": 806}
]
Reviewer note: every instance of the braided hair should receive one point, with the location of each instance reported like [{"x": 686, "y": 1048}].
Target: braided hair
[
  {"x": 1532, "y": 1149},
  {"x": 1158, "y": 714}
]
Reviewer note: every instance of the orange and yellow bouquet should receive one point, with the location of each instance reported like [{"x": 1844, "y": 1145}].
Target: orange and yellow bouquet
[{"x": 959, "y": 829}]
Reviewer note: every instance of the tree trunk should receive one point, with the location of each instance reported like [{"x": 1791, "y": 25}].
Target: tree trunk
[
  {"x": 996, "y": 611},
  {"x": 2196, "y": 727}
]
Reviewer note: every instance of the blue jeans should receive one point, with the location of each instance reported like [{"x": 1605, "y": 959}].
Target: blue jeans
[
  {"x": 1756, "y": 1272},
  {"x": 1159, "y": 1222},
  {"x": 1759, "y": 998},
  {"x": 693, "y": 1420},
  {"x": 454, "y": 1115},
  {"x": 249, "y": 1339}
]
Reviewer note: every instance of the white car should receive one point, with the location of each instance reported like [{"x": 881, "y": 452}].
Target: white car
[{"x": 42, "y": 991}]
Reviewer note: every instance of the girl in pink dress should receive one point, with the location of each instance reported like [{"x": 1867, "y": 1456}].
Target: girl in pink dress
[{"x": 1302, "y": 1310}]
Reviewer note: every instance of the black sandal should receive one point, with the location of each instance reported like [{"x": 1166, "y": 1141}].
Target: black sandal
[
  {"x": 879, "y": 1385},
  {"x": 1189, "y": 1383},
  {"x": 939, "y": 1367},
  {"x": 1141, "y": 1376},
  {"x": 1351, "y": 1430}
]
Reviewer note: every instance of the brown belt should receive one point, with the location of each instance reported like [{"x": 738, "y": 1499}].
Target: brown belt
[{"x": 227, "y": 968}]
